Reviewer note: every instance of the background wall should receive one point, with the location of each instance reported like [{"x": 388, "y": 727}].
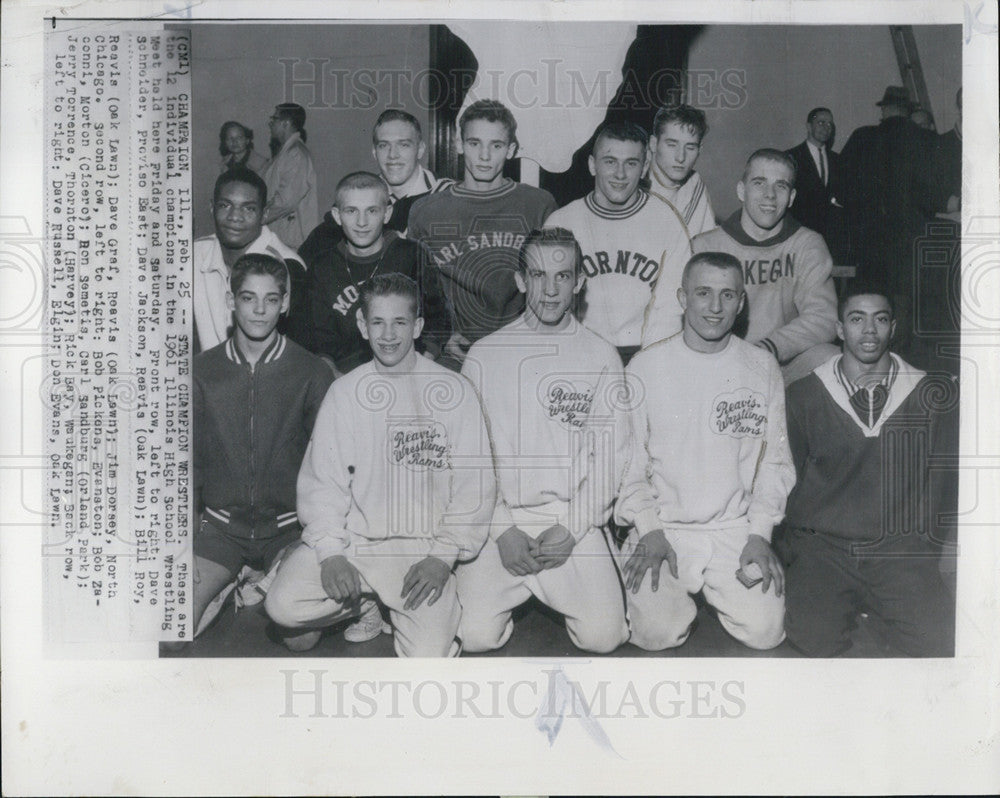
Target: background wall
[
  {"x": 790, "y": 70},
  {"x": 237, "y": 74}
]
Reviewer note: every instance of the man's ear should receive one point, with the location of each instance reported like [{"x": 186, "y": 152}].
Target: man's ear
[
  {"x": 682, "y": 298},
  {"x": 387, "y": 215},
  {"x": 649, "y": 162},
  {"x": 839, "y": 327},
  {"x": 791, "y": 198},
  {"x": 286, "y": 300},
  {"x": 519, "y": 281},
  {"x": 592, "y": 165},
  {"x": 511, "y": 150},
  {"x": 418, "y": 327},
  {"x": 741, "y": 192},
  {"x": 421, "y": 150},
  {"x": 361, "y": 324},
  {"x": 230, "y": 301},
  {"x": 335, "y": 212},
  {"x": 743, "y": 301}
]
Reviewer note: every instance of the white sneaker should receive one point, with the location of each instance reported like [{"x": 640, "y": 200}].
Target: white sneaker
[
  {"x": 249, "y": 593},
  {"x": 369, "y": 626},
  {"x": 253, "y": 585}
]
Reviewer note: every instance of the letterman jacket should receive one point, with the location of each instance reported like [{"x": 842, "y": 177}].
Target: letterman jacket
[{"x": 251, "y": 428}]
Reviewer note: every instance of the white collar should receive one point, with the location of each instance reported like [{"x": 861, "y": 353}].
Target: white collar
[
  {"x": 261, "y": 245},
  {"x": 905, "y": 381}
]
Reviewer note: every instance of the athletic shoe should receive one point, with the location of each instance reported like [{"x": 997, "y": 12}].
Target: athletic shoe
[
  {"x": 253, "y": 585},
  {"x": 369, "y": 626},
  {"x": 249, "y": 590}
]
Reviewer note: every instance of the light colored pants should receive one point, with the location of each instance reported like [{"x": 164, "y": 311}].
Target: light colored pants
[
  {"x": 297, "y": 600},
  {"x": 707, "y": 560},
  {"x": 585, "y": 589}
]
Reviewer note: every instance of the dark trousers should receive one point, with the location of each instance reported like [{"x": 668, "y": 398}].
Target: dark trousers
[{"x": 828, "y": 581}]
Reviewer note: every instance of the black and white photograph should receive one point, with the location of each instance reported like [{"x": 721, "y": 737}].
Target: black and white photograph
[
  {"x": 640, "y": 361},
  {"x": 683, "y": 192}
]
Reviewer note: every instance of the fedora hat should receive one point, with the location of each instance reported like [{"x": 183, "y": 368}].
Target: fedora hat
[{"x": 895, "y": 95}]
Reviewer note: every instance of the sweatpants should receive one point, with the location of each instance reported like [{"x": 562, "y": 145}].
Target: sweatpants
[
  {"x": 585, "y": 589},
  {"x": 707, "y": 561},
  {"x": 297, "y": 600},
  {"x": 829, "y": 581}
]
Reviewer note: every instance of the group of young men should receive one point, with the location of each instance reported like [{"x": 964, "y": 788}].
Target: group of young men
[{"x": 536, "y": 401}]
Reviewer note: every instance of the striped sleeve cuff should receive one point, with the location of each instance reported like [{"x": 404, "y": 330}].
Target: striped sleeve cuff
[{"x": 768, "y": 344}]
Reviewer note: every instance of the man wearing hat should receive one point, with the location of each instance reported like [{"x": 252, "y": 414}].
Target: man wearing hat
[{"x": 888, "y": 188}]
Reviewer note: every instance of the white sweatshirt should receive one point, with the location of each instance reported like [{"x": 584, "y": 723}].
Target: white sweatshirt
[
  {"x": 402, "y": 455},
  {"x": 633, "y": 259},
  {"x": 558, "y": 418},
  {"x": 709, "y": 447},
  {"x": 792, "y": 300}
]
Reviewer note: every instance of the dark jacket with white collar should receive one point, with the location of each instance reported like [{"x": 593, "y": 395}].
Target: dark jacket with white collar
[{"x": 893, "y": 478}]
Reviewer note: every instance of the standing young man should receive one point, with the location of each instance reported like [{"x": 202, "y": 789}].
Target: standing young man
[
  {"x": 473, "y": 230},
  {"x": 550, "y": 389},
  {"x": 869, "y": 513},
  {"x": 396, "y": 486},
  {"x": 290, "y": 176},
  {"x": 337, "y": 276},
  {"x": 255, "y": 398},
  {"x": 238, "y": 202},
  {"x": 631, "y": 242},
  {"x": 398, "y": 149},
  {"x": 678, "y": 132},
  {"x": 709, "y": 473},
  {"x": 786, "y": 267}
]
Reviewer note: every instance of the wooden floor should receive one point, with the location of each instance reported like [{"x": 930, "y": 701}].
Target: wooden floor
[{"x": 538, "y": 632}]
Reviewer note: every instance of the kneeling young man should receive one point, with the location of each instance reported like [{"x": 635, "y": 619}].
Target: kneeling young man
[
  {"x": 397, "y": 484},
  {"x": 709, "y": 473},
  {"x": 255, "y": 399},
  {"x": 862, "y": 531},
  {"x": 553, "y": 392}
]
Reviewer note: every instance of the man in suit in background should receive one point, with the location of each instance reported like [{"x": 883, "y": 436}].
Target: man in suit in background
[
  {"x": 815, "y": 165},
  {"x": 889, "y": 187}
]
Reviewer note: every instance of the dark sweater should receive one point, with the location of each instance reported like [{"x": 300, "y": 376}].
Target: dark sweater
[
  {"x": 335, "y": 281},
  {"x": 472, "y": 240},
  {"x": 328, "y": 234},
  {"x": 862, "y": 484}
]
